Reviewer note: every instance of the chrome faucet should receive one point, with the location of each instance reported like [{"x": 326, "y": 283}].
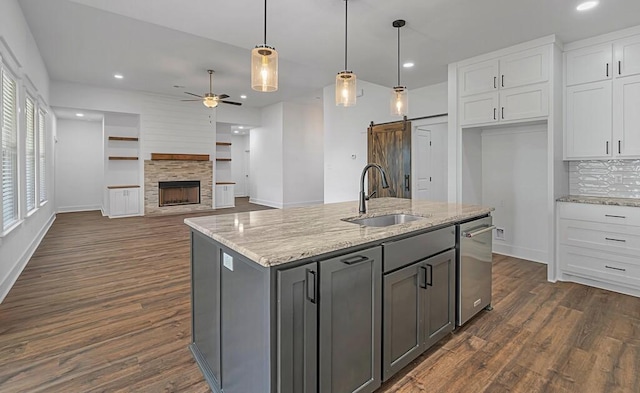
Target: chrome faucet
[{"x": 363, "y": 196}]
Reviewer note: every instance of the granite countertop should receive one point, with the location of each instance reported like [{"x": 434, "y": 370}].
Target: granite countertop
[
  {"x": 274, "y": 237},
  {"x": 632, "y": 202}
]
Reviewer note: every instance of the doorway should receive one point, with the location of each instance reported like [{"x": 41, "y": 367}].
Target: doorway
[{"x": 429, "y": 161}]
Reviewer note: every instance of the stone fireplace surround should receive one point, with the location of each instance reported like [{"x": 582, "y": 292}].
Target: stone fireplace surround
[{"x": 174, "y": 170}]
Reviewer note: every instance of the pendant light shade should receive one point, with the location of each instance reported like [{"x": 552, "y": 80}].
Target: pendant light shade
[
  {"x": 399, "y": 94},
  {"x": 264, "y": 64},
  {"x": 345, "y": 80}
]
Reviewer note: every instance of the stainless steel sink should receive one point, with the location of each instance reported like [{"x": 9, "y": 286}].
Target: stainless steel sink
[{"x": 384, "y": 221}]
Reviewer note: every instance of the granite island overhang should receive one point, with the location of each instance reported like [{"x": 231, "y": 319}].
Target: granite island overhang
[{"x": 266, "y": 292}]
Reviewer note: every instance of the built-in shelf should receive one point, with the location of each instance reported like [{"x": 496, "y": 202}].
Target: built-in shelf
[
  {"x": 122, "y": 158},
  {"x": 116, "y": 187},
  {"x": 123, "y": 138},
  {"x": 223, "y": 159},
  {"x": 223, "y": 143},
  {"x": 224, "y": 182}
]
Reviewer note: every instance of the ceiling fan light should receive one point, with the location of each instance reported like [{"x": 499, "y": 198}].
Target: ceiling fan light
[
  {"x": 346, "y": 88},
  {"x": 264, "y": 69},
  {"x": 210, "y": 102},
  {"x": 399, "y": 101}
]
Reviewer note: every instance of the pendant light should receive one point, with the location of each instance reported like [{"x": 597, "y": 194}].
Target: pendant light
[
  {"x": 399, "y": 96},
  {"x": 345, "y": 80},
  {"x": 264, "y": 64}
]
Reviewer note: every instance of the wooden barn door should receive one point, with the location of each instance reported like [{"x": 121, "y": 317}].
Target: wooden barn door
[{"x": 390, "y": 146}]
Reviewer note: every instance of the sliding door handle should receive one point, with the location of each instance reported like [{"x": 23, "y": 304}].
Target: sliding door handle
[{"x": 407, "y": 183}]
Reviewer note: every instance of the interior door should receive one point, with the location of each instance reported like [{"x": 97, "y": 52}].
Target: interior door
[
  {"x": 389, "y": 145},
  {"x": 422, "y": 163}
]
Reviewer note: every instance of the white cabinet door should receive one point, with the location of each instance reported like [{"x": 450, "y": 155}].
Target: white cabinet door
[
  {"x": 224, "y": 196},
  {"x": 479, "y": 109},
  {"x": 525, "y": 68},
  {"x": 589, "y": 64},
  {"x": 231, "y": 198},
  {"x": 219, "y": 196},
  {"x": 524, "y": 102},
  {"x": 132, "y": 201},
  {"x": 627, "y": 53},
  {"x": 117, "y": 202},
  {"x": 478, "y": 78},
  {"x": 626, "y": 119},
  {"x": 588, "y": 121}
]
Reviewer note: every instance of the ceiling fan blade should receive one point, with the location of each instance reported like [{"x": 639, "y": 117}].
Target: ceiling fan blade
[
  {"x": 223, "y": 96},
  {"x": 231, "y": 102},
  {"x": 190, "y": 100},
  {"x": 186, "y": 92}
]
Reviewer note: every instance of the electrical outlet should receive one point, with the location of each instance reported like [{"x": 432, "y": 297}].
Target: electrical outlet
[
  {"x": 617, "y": 179},
  {"x": 499, "y": 233}
]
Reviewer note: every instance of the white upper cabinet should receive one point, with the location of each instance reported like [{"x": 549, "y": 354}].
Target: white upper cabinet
[
  {"x": 588, "y": 121},
  {"x": 627, "y": 53},
  {"x": 590, "y": 64},
  {"x": 478, "y": 78},
  {"x": 524, "y": 102},
  {"x": 524, "y": 68},
  {"x": 626, "y": 119},
  {"x": 479, "y": 109}
]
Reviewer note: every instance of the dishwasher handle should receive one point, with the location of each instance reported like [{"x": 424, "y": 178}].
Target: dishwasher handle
[{"x": 479, "y": 232}]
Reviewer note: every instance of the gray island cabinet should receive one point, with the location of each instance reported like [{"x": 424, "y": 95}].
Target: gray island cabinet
[{"x": 298, "y": 300}]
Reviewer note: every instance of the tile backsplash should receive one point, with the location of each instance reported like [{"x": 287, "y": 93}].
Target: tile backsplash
[{"x": 613, "y": 178}]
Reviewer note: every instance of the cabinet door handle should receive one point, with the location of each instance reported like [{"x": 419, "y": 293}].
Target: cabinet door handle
[
  {"x": 615, "y": 268},
  {"x": 354, "y": 259},
  {"x": 619, "y": 146},
  {"x": 503, "y": 113},
  {"x": 614, "y": 216},
  {"x": 615, "y": 240},
  {"x": 607, "y": 147},
  {"x": 502, "y": 82},
  {"x": 423, "y": 280},
  {"x": 430, "y": 275},
  {"x": 494, "y": 113},
  {"x": 494, "y": 82},
  {"x": 607, "y": 70},
  {"x": 311, "y": 285},
  {"x": 619, "y": 67}
]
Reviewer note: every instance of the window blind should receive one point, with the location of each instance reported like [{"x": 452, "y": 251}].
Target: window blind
[
  {"x": 30, "y": 153},
  {"x": 42, "y": 155},
  {"x": 9, "y": 151}
]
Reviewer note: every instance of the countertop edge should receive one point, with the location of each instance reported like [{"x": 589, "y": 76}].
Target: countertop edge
[{"x": 593, "y": 200}]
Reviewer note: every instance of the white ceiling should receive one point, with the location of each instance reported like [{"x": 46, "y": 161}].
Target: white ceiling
[{"x": 157, "y": 44}]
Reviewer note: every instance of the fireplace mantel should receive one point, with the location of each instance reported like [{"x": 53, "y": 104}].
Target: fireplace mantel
[{"x": 179, "y": 157}]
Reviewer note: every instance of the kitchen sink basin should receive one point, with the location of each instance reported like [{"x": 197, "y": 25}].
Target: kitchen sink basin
[{"x": 384, "y": 221}]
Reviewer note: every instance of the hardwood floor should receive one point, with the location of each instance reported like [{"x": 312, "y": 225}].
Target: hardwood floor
[{"x": 104, "y": 306}]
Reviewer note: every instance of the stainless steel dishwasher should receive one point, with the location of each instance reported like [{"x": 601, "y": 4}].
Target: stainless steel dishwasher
[{"x": 474, "y": 267}]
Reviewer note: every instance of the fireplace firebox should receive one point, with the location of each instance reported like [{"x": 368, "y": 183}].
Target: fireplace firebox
[{"x": 172, "y": 193}]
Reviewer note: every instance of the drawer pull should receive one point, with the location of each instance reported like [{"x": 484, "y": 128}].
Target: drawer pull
[
  {"x": 614, "y": 216},
  {"x": 615, "y": 268},
  {"x": 615, "y": 240}
]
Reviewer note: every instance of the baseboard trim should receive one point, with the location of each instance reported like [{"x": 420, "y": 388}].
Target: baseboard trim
[
  {"x": 520, "y": 252},
  {"x": 599, "y": 284},
  {"x": 301, "y": 204},
  {"x": 73, "y": 209},
  {"x": 13, "y": 275},
  {"x": 266, "y": 203}
]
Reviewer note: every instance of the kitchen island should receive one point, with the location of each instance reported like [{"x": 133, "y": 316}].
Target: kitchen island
[{"x": 292, "y": 300}]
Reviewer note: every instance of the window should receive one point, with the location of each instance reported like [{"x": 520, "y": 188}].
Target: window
[
  {"x": 9, "y": 138},
  {"x": 42, "y": 155},
  {"x": 30, "y": 146}
]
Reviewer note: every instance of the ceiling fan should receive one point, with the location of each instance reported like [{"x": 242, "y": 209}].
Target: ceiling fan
[{"x": 209, "y": 99}]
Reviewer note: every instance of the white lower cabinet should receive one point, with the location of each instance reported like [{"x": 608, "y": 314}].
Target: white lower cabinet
[
  {"x": 600, "y": 243},
  {"x": 124, "y": 202},
  {"x": 225, "y": 196}
]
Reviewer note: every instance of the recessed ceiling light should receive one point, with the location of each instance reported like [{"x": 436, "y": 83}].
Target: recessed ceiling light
[
  {"x": 408, "y": 64},
  {"x": 118, "y": 76},
  {"x": 244, "y": 97},
  {"x": 241, "y": 127},
  {"x": 587, "y": 5},
  {"x": 236, "y": 131},
  {"x": 80, "y": 114}
]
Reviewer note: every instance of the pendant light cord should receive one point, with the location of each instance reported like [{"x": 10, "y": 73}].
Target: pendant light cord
[
  {"x": 398, "y": 56},
  {"x": 265, "y": 22},
  {"x": 346, "y": 2}
]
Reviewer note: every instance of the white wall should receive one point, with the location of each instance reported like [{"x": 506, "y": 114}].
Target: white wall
[
  {"x": 303, "y": 155},
  {"x": 18, "y": 47},
  {"x": 239, "y": 147},
  {"x": 514, "y": 181},
  {"x": 345, "y": 132},
  {"x": 267, "y": 158},
  {"x": 472, "y": 166},
  {"x": 78, "y": 187}
]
